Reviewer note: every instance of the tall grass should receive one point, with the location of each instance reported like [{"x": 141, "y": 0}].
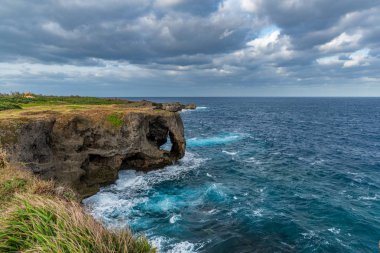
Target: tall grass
[
  {"x": 40, "y": 224},
  {"x": 15, "y": 180},
  {"x": 41, "y": 216}
]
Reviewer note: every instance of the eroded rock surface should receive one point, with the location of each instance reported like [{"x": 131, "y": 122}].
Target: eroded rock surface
[{"x": 86, "y": 149}]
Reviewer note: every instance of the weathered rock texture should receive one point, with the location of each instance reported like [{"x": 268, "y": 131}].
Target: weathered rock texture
[{"x": 86, "y": 149}]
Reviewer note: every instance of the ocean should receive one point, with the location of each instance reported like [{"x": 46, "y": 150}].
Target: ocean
[{"x": 260, "y": 175}]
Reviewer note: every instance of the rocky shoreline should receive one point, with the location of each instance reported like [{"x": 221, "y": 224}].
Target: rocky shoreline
[{"x": 84, "y": 148}]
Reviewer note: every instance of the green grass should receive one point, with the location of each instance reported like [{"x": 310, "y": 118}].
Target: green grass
[
  {"x": 9, "y": 187},
  {"x": 8, "y": 106},
  {"x": 20, "y": 100},
  {"x": 37, "y": 217},
  {"x": 39, "y": 224},
  {"x": 115, "y": 119}
]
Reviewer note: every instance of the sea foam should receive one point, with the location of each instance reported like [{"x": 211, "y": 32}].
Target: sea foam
[
  {"x": 215, "y": 140},
  {"x": 161, "y": 242},
  {"x": 117, "y": 201}
]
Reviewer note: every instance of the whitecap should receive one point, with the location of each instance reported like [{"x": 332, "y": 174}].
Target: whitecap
[
  {"x": 215, "y": 193},
  {"x": 317, "y": 162},
  {"x": 167, "y": 245},
  {"x": 375, "y": 197},
  {"x": 175, "y": 218},
  {"x": 253, "y": 160},
  {"x": 288, "y": 245},
  {"x": 183, "y": 247},
  {"x": 164, "y": 205},
  {"x": 229, "y": 153},
  {"x": 309, "y": 235},
  {"x": 258, "y": 212},
  {"x": 209, "y": 175},
  {"x": 215, "y": 140},
  {"x": 334, "y": 230}
]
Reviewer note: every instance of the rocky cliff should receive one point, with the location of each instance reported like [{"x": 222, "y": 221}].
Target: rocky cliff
[{"x": 85, "y": 148}]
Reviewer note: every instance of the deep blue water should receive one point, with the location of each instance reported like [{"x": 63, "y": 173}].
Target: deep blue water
[{"x": 260, "y": 175}]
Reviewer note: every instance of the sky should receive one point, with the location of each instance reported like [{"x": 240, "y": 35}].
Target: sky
[{"x": 130, "y": 48}]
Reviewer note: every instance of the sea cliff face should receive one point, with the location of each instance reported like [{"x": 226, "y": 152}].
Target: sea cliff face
[{"x": 85, "y": 148}]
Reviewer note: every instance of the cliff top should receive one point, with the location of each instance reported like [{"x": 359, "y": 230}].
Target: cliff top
[
  {"x": 30, "y": 105},
  {"x": 21, "y": 100}
]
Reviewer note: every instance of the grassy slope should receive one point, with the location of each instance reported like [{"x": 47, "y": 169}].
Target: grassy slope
[{"x": 40, "y": 216}]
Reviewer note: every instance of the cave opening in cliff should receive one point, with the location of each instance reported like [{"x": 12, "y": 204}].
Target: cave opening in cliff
[
  {"x": 160, "y": 136},
  {"x": 168, "y": 144}
]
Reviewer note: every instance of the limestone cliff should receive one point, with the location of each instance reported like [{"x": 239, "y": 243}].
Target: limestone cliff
[{"x": 85, "y": 148}]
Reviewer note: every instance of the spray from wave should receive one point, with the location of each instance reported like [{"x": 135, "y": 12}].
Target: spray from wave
[
  {"x": 215, "y": 140},
  {"x": 199, "y": 108},
  {"x": 119, "y": 205}
]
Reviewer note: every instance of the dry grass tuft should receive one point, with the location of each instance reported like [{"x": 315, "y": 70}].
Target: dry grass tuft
[
  {"x": 40, "y": 224},
  {"x": 41, "y": 216}
]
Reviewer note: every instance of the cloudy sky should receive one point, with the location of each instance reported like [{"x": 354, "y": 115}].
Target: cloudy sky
[{"x": 191, "y": 47}]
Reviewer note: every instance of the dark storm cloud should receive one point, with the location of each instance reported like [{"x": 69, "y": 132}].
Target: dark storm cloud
[
  {"x": 124, "y": 30},
  {"x": 204, "y": 43}
]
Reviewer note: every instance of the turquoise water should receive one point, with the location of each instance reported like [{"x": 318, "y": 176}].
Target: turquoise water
[{"x": 260, "y": 175}]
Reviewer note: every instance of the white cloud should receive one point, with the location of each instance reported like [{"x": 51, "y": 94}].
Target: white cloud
[
  {"x": 250, "y": 5},
  {"x": 342, "y": 42},
  {"x": 101, "y": 3},
  {"x": 167, "y": 3},
  {"x": 330, "y": 60},
  {"x": 114, "y": 69},
  {"x": 357, "y": 58},
  {"x": 265, "y": 41},
  {"x": 272, "y": 45}
]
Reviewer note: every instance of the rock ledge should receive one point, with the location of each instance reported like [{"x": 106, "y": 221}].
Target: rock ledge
[{"x": 85, "y": 149}]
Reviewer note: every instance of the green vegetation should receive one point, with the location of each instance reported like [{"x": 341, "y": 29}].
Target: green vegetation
[
  {"x": 9, "y": 187},
  {"x": 8, "y": 106},
  {"x": 115, "y": 119},
  {"x": 22, "y": 100},
  {"x": 41, "y": 216},
  {"x": 37, "y": 224}
]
